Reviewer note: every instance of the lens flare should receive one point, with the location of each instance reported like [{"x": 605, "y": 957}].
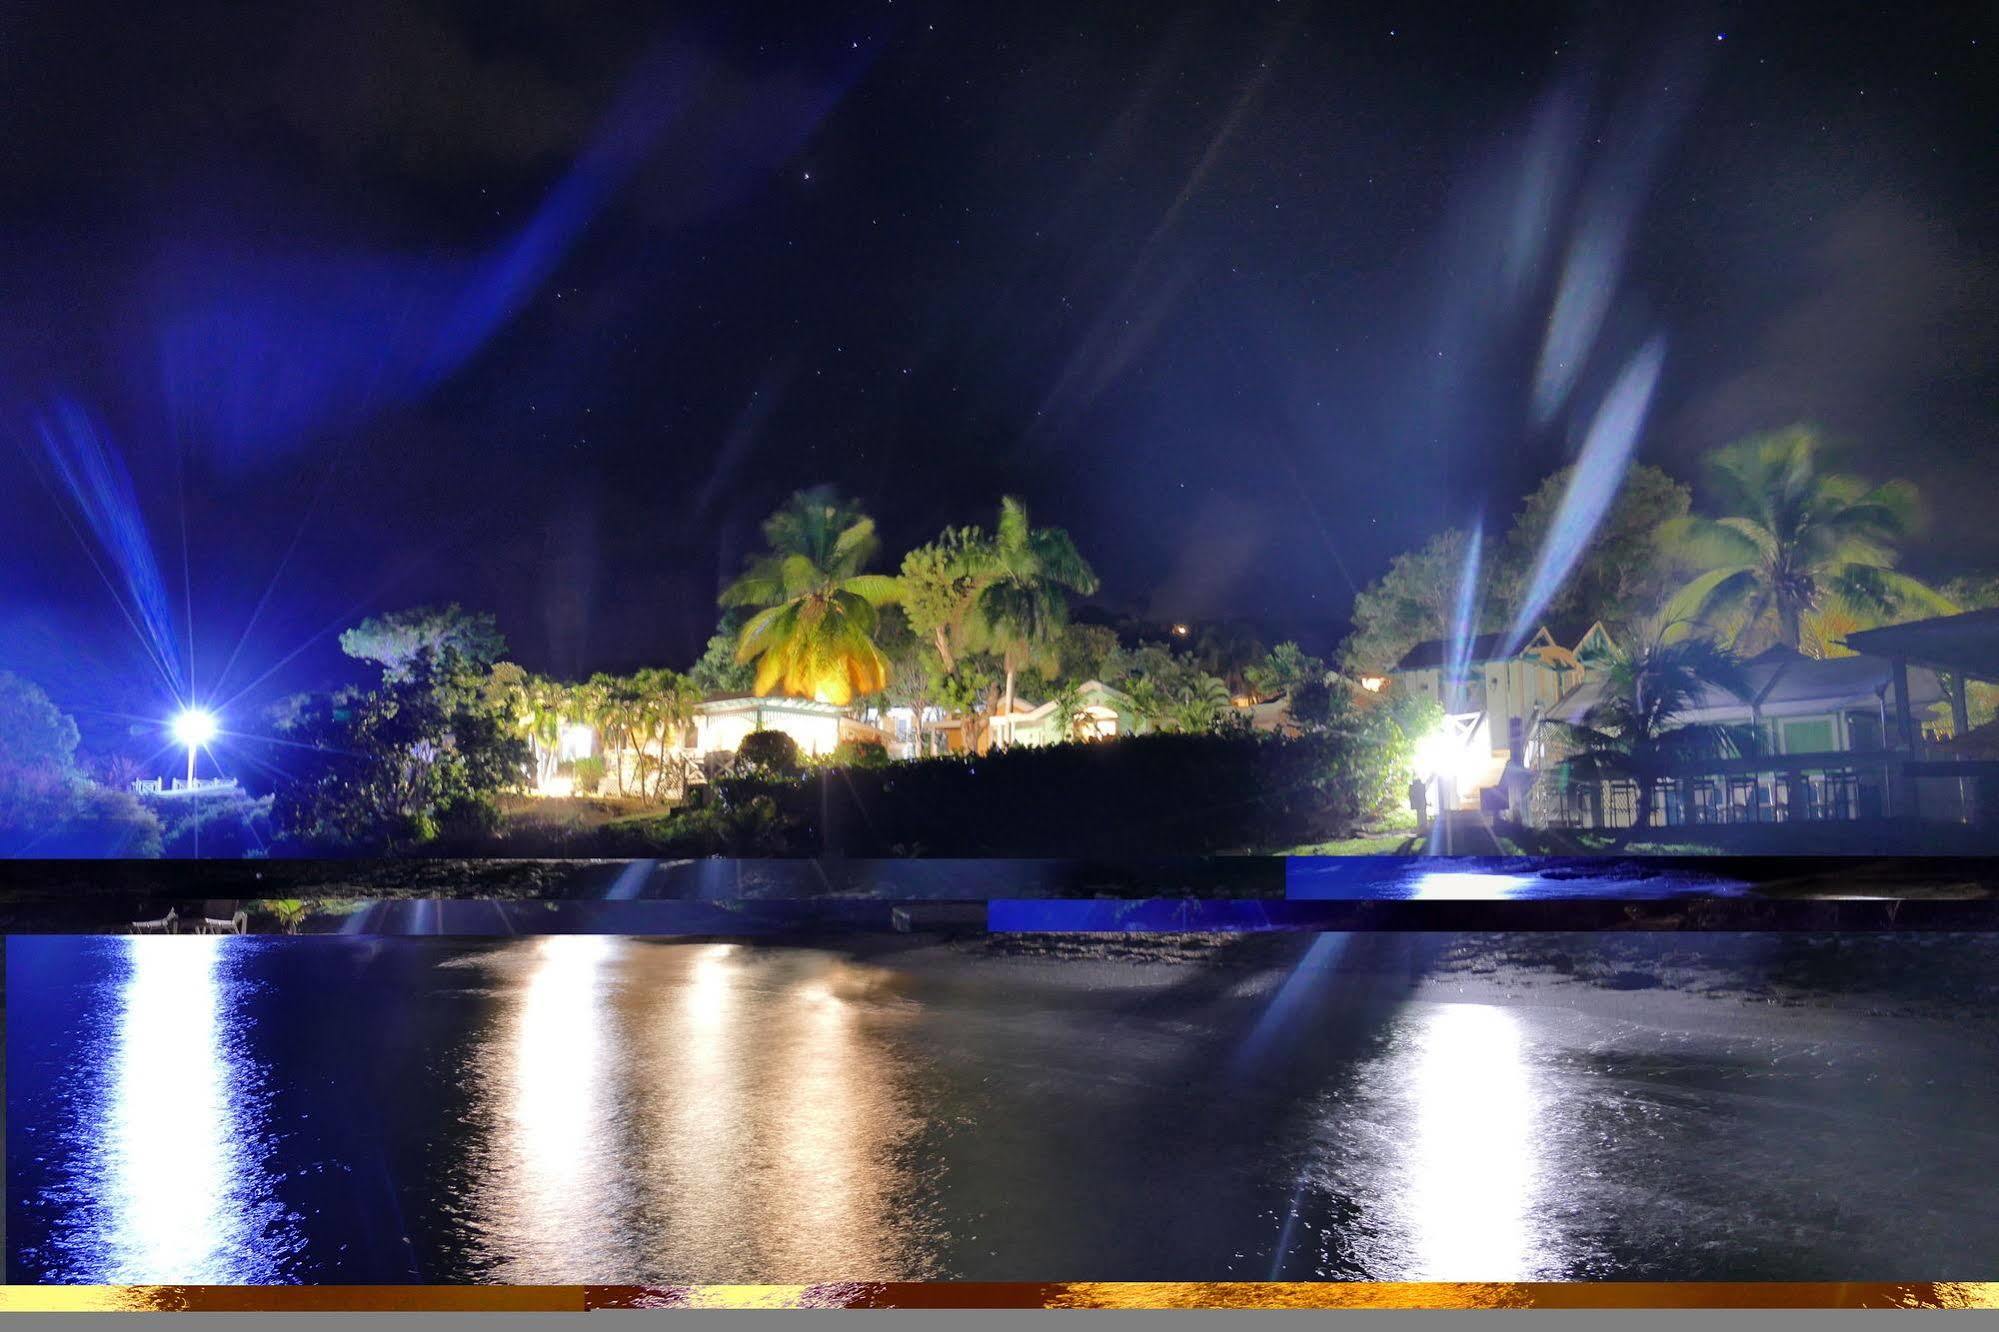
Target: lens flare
[{"x": 1593, "y": 484}]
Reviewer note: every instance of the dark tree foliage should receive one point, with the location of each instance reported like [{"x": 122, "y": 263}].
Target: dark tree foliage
[{"x": 421, "y": 758}]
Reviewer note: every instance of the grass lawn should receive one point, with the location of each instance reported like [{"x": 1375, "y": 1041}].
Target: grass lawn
[
  {"x": 570, "y": 813},
  {"x": 1396, "y": 836},
  {"x": 1368, "y": 844}
]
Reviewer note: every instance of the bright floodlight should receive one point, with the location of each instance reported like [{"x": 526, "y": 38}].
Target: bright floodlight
[
  {"x": 1444, "y": 755},
  {"x": 193, "y": 728}
]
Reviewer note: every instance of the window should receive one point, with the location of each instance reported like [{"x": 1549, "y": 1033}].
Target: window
[{"x": 1808, "y": 737}]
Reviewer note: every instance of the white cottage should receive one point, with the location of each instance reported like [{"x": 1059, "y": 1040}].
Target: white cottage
[{"x": 1494, "y": 697}]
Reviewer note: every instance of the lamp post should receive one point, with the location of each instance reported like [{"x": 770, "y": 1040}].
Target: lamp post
[{"x": 193, "y": 728}]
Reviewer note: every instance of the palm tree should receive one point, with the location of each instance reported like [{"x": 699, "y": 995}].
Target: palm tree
[
  {"x": 1147, "y": 703},
  {"x": 1632, "y": 733},
  {"x": 1069, "y": 707},
  {"x": 813, "y": 635},
  {"x": 941, "y": 581},
  {"x": 1200, "y": 703},
  {"x": 1022, "y": 607},
  {"x": 1800, "y": 554},
  {"x": 611, "y": 704},
  {"x": 663, "y": 704}
]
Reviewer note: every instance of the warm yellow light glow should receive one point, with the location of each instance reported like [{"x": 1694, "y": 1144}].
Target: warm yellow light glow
[
  {"x": 559, "y": 1158},
  {"x": 1373, "y": 684}
]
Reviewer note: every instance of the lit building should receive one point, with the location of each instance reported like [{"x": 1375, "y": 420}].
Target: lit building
[
  {"x": 718, "y": 728},
  {"x": 1101, "y": 712},
  {"x": 1494, "y": 700}
]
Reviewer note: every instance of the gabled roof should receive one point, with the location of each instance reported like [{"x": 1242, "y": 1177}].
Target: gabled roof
[
  {"x": 1089, "y": 689},
  {"x": 1432, "y": 653},
  {"x": 1571, "y": 630}
]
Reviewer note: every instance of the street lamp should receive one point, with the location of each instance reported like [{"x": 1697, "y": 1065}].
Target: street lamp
[{"x": 193, "y": 728}]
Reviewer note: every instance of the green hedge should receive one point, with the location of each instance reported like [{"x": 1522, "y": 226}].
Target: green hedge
[{"x": 1160, "y": 794}]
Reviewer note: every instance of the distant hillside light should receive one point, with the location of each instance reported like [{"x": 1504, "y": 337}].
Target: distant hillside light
[
  {"x": 1180, "y": 629},
  {"x": 192, "y": 729}
]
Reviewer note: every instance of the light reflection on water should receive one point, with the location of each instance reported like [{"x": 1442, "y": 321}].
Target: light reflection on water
[
  {"x": 556, "y": 1156},
  {"x": 588, "y": 1109},
  {"x": 720, "y": 1120},
  {"x": 1459, "y": 885},
  {"x": 172, "y": 1137},
  {"x": 1472, "y": 1172}
]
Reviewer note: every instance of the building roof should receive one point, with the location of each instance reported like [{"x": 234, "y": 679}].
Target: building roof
[
  {"x": 770, "y": 703},
  {"x": 1433, "y": 653},
  {"x": 1967, "y": 642},
  {"x": 1570, "y": 631},
  {"x": 1095, "y": 691},
  {"x": 1783, "y": 683}
]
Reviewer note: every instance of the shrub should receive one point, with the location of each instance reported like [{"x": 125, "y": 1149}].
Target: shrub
[
  {"x": 588, "y": 773},
  {"x": 858, "y": 754},
  {"x": 768, "y": 754},
  {"x": 749, "y": 824},
  {"x": 229, "y": 825}
]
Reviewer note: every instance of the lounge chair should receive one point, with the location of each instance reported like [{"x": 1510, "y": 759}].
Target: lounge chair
[
  {"x": 167, "y": 924},
  {"x": 223, "y": 918}
]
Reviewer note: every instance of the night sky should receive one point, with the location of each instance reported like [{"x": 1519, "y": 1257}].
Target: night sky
[{"x": 542, "y": 307}]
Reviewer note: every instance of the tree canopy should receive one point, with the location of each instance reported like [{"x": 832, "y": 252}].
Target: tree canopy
[
  {"x": 395, "y": 640},
  {"x": 812, "y": 635},
  {"x": 1622, "y": 575},
  {"x": 1413, "y": 602}
]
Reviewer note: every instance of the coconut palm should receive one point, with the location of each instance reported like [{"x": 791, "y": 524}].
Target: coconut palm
[
  {"x": 1022, "y": 606},
  {"x": 1800, "y": 554},
  {"x": 813, "y": 633},
  {"x": 1633, "y": 732}
]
